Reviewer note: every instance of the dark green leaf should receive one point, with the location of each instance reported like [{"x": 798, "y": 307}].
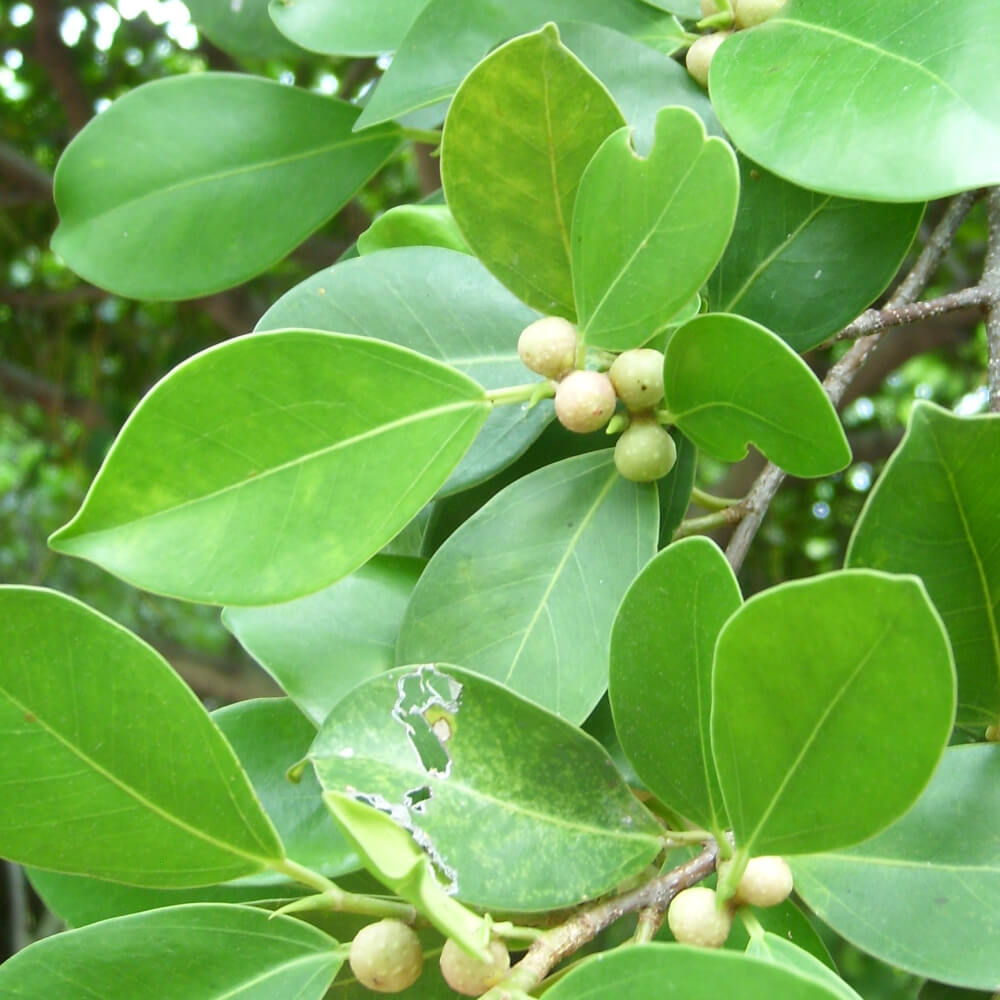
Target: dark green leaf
[
  {"x": 805, "y": 264},
  {"x": 439, "y": 303},
  {"x": 924, "y": 894},
  {"x": 446, "y": 41},
  {"x": 519, "y": 133},
  {"x": 675, "y": 488},
  {"x": 887, "y": 101},
  {"x": 209, "y": 951},
  {"x": 269, "y": 466},
  {"x": 832, "y": 701},
  {"x": 320, "y": 646},
  {"x": 413, "y": 226},
  {"x": 661, "y": 674},
  {"x": 729, "y": 381},
  {"x": 648, "y": 232},
  {"x": 440, "y": 748},
  {"x": 243, "y": 29},
  {"x": 526, "y": 590},
  {"x": 109, "y": 764},
  {"x": 154, "y": 194},
  {"x": 351, "y": 28},
  {"x": 641, "y": 972},
  {"x": 270, "y": 735},
  {"x": 933, "y": 512}
]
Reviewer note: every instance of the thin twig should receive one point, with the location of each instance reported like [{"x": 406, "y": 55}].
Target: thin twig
[
  {"x": 991, "y": 285},
  {"x": 709, "y": 522},
  {"x": 874, "y": 320},
  {"x": 842, "y": 373},
  {"x": 560, "y": 942}
]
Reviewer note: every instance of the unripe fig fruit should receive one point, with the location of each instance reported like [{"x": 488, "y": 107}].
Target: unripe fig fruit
[
  {"x": 386, "y": 956},
  {"x": 767, "y": 881},
  {"x": 548, "y": 346},
  {"x": 695, "y": 918},
  {"x": 645, "y": 451},
  {"x": 699, "y": 56},
  {"x": 585, "y": 401},
  {"x": 638, "y": 378},
  {"x": 469, "y": 976},
  {"x": 750, "y": 13}
]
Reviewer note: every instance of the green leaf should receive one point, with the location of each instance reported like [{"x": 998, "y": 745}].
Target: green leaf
[
  {"x": 243, "y": 29},
  {"x": 154, "y": 194},
  {"x": 832, "y": 700},
  {"x": 915, "y": 87},
  {"x": 933, "y": 513},
  {"x": 772, "y": 948},
  {"x": 110, "y": 765},
  {"x": 675, "y": 488},
  {"x": 391, "y": 854},
  {"x": 446, "y": 41},
  {"x": 354, "y": 28},
  {"x": 805, "y": 264},
  {"x": 642, "y": 80},
  {"x": 322, "y": 645},
  {"x": 272, "y": 465},
  {"x": 519, "y": 133},
  {"x": 79, "y": 900},
  {"x": 439, "y": 747},
  {"x": 789, "y": 923},
  {"x": 270, "y": 735},
  {"x": 729, "y": 381},
  {"x": 640, "y": 972},
  {"x": 208, "y": 951},
  {"x": 924, "y": 895},
  {"x": 439, "y": 303},
  {"x": 526, "y": 590},
  {"x": 413, "y": 226},
  {"x": 648, "y": 232},
  {"x": 661, "y": 674}
]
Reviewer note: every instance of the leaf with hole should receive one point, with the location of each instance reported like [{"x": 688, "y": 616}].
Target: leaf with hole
[{"x": 238, "y": 479}]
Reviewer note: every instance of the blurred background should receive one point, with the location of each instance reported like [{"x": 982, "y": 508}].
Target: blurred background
[{"x": 74, "y": 359}]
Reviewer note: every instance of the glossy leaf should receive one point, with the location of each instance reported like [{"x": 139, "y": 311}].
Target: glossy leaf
[
  {"x": 228, "y": 953},
  {"x": 844, "y": 688},
  {"x": 413, "y": 226},
  {"x": 439, "y": 303},
  {"x": 729, "y": 381},
  {"x": 79, "y": 900},
  {"x": 772, "y": 948},
  {"x": 391, "y": 854},
  {"x": 647, "y": 232},
  {"x": 352, "y": 28},
  {"x": 519, "y": 133},
  {"x": 675, "y": 488},
  {"x": 789, "y": 923},
  {"x": 434, "y": 746},
  {"x": 933, "y": 513},
  {"x": 109, "y": 764},
  {"x": 446, "y": 41},
  {"x": 153, "y": 194},
  {"x": 640, "y": 972},
  {"x": 887, "y": 101},
  {"x": 642, "y": 80},
  {"x": 243, "y": 29},
  {"x": 661, "y": 674},
  {"x": 526, "y": 590},
  {"x": 320, "y": 646},
  {"x": 805, "y": 264},
  {"x": 272, "y": 465},
  {"x": 924, "y": 895},
  {"x": 270, "y": 735}
]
